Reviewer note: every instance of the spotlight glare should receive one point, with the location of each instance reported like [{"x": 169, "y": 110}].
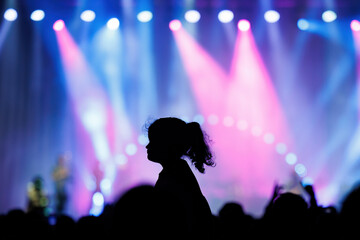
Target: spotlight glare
[
  {"x": 329, "y": 16},
  {"x": 355, "y": 25},
  {"x": 10, "y": 14},
  {"x": 145, "y": 16},
  {"x": 281, "y": 148},
  {"x": 244, "y": 25},
  {"x": 98, "y": 199},
  {"x": 269, "y": 138},
  {"x": 225, "y": 16},
  {"x": 88, "y": 16},
  {"x": 174, "y": 25},
  {"x": 59, "y": 25},
  {"x": 37, "y": 15},
  {"x": 131, "y": 149},
  {"x": 113, "y": 24},
  {"x": 271, "y": 16},
  {"x": 300, "y": 169},
  {"x": 121, "y": 159},
  {"x": 291, "y": 158},
  {"x": 192, "y": 16},
  {"x": 303, "y": 24}
]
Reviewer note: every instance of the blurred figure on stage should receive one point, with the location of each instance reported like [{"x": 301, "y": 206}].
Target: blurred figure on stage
[
  {"x": 60, "y": 176},
  {"x": 37, "y": 197}
]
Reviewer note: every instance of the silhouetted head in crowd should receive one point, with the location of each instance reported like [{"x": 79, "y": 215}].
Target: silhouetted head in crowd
[
  {"x": 143, "y": 212},
  {"x": 171, "y": 138},
  {"x": 350, "y": 210},
  {"x": 231, "y": 210},
  {"x": 289, "y": 210}
]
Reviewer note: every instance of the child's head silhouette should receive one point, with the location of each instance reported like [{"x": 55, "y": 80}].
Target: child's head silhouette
[{"x": 172, "y": 138}]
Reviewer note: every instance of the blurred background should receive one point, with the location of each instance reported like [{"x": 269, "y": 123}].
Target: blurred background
[{"x": 274, "y": 83}]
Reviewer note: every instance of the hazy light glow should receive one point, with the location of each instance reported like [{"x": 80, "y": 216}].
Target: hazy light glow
[
  {"x": 242, "y": 125},
  {"x": 37, "y": 15},
  {"x": 303, "y": 24},
  {"x": 272, "y": 16},
  {"x": 98, "y": 199},
  {"x": 300, "y": 169},
  {"x": 291, "y": 158},
  {"x": 269, "y": 138},
  {"x": 59, "y": 25},
  {"x": 105, "y": 186},
  {"x": 329, "y": 16},
  {"x": 213, "y": 119},
  {"x": 355, "y": 25},
  {"x": 192, "y": 16},
  {"x": 131, "y": 149},
  {"x": 88, "y": 16},
  {"x": 10, "y": 15},
  {"x": 228, "y": 121},
  {"x": 281, "y": 148},
  {"x": 121, "y": 159},
  {"x": 244, "y": 25},
  {"x": 145, "y": 16},
  {"x": 225, "y": 16},
  {"x": 256, "y": 131},
  {"x": 113, "y": 24},
  {"x": 175, "y": 25}
]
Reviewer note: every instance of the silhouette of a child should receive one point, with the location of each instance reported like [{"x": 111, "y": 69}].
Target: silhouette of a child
[{"x": 170, "y": 139}]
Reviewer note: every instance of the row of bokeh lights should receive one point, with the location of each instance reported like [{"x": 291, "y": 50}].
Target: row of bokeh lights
[
  {"x": 191, "y": 16},
  {"x": 281, "y": 148}
]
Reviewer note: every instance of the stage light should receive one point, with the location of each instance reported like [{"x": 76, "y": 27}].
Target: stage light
[
  {"x": 98, "y": 199},
  {"x": 329, "y": 16},
  {"x": 303, "y": 24},
  {"x": 105, "y": 186},
  {"x": 59, "y": 25},
  {"x": 269, "y": 138},
  {"x": 291, "y": 158},
  {"x": 94, "y": 117},
  {"x": 355, "y": 25},
  {"x": 242, "y": 125},
  {"x": 37, "y": 15},
  {"x": 145, "y": 16},
  {"x": 225, "y": 16},
  {"x": 192, "y": 16},
  {"x": 113, "y": 24},
  {"x": 131, "y": 149},
  {"x": 256, "y": 131},
  {"x": 244, "y": 25},
  {"x": 10, "y": 14},
  {"x": 228, "y": 121},
  {"x": 281, "y": 148},
  {"x": 121, "y": 159},
  {"x": 175, "y": 25},
  {"x": 307, "y": 181},
  {"x": 300, "y": 169},
  {"x": 213, "y": 119},
  {"x": 88, "y": 16},
  {"x": 272, "y": 16}
]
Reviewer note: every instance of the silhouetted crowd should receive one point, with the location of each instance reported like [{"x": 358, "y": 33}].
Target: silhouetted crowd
[{"x": 142, "y": 212}]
